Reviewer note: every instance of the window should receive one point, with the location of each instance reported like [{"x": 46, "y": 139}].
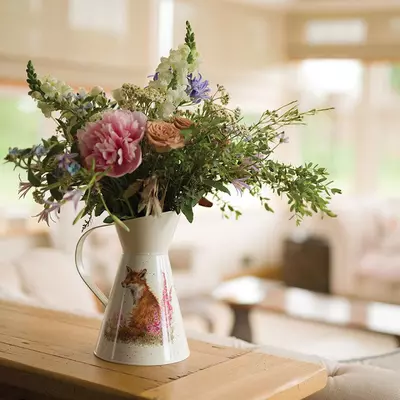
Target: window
[
  {"x": 329, "y": 137},
  {"x": 334, "y": 32},
  {"x": 20, "y": 123}
]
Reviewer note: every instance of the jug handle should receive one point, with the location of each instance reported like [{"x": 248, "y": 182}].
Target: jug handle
[{"x": 82, "y": 270}]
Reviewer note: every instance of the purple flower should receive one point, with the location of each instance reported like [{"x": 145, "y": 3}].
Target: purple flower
[
  {"x": 155, "y": 76},
  {"x": 24, "y": 188},
  {"x": 240, "y": 185},
  {"x": 250, "y": 163},
  {"x": 283, "y": 138},
  {"x": 45, "y": 215},
  {"x": 65, "y": 159},
  {"x": 198, "y": 89},
  {"x": 74, "y": 196}
]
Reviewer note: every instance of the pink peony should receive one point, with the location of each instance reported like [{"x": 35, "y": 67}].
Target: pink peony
[{"x": 113, "y": 142}]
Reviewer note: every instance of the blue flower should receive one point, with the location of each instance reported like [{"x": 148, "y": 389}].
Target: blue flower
[
  {"x": 88, "y": 106},
  {"x": 198, "y": 89},
  {"x": 73, "y": 168},
  {"x": 40, "y": 150},
  {"x": 14, "y": 151}
]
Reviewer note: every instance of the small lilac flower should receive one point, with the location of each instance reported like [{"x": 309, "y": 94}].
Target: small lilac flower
[
  {"x": 73, "y": 168},
  {"x": 74, "y": 196},
  {"x": 88, "y": 106},
  {"x": 65, "y": 159},
  {"x": 250, "y": 163},
  {"x": 198, "y": 89},
  {"x": 248, "y": 138},
  {"x": 45, "y": 215},
  {"x": 40, "y": 150},
  {"x": 14, "y": 151},
  {"x": 240, "y": 185},
  {"x": 155, "y": 76},
  {"x": 283, "y": 138},
  {"x": 24, "y": 188}
]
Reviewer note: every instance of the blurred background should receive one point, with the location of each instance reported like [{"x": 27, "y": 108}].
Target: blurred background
[{"x": 323, "y": 53}]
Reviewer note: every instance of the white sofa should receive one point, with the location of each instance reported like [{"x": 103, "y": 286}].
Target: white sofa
[{"x": 365, "y": 246}]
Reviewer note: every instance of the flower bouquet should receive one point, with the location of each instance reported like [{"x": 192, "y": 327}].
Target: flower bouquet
[{"x": 166, "y": 147}]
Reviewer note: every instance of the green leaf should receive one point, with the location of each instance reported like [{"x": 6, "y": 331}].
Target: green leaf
[
  {"x": 99, "y": 210},
  {"x": 108, "y": 220},
  {"x": 55, "y": 149},
  {"x": 268, "y": 208},
  {"x": 187, "y": 211},
  {"x": 186, "y": 133},
  {"x": 55, "y": 192},
  {"x": 217, "y": 185},
  {"x": 80, "y": 215},
  {"x": 33, "y": 179}
]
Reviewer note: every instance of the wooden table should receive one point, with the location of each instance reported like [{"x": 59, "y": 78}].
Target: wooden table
[
  {"x": 47, "y": 355},
  {"x": 249, "y": 293}
]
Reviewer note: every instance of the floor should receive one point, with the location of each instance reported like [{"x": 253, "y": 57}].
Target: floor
[{"x": 304, "y": 337}]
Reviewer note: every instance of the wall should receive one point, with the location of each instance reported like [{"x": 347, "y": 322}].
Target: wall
[{"x": 83, "y": 42}]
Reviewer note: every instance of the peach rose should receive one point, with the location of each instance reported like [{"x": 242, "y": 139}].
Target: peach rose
[
  {"x": 164, "y": 136},
  {"x": 182, "y": 123}
]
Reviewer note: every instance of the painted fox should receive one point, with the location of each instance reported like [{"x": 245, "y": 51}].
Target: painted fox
[{"x": 145, "y": 316}]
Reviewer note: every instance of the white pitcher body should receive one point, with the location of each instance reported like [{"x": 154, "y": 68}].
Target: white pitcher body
[{"x": 142, "y": 323}]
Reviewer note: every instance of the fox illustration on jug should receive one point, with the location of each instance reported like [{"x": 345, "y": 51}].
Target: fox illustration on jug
[
  {"x": 144, "y": 325},
  {"x": 146, "y": 312}
]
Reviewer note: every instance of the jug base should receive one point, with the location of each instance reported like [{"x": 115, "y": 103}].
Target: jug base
[{"x": 148, "y": 363}]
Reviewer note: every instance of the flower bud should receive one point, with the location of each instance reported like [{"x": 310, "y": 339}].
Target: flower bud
[{"x": 96, "y": 91}]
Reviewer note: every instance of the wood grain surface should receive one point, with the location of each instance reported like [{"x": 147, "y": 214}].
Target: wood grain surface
[{"x": 49, "y": 355}]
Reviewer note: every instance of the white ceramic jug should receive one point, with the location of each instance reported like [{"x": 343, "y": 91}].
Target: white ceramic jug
[{"x": 142, "y": 322}]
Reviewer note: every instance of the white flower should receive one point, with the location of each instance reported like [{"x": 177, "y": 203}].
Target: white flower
[
  {"x": 177, "y": 96},
  {"x": 96, "y": 91},
  {"x": 184, "y": 50},
  {"x": 181, "y": 77},
  {"x": 159, "y": 84},
  {"x": 45, "y": 108},
  {"x": 164, "y": 65},
  {"x": 53, "y": 88},
  {"x": 167, "y": 108},
  {"x": 165, "y": 76},
  {"x": 118, "y": 94}
]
